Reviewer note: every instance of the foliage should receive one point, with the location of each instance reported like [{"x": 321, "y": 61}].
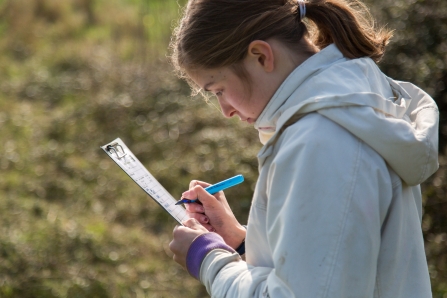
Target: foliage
[
  {"x": 73, "y": 225},
  {"x": 76, "y": 74},
  {"x": 418, "y": 53}
]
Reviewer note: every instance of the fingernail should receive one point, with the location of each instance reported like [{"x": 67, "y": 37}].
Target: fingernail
[
  {"x": 212, "y": 230},
  {"x": 205, "y": 219},
  {"x": 200, "y": 209},
  {"x": 185, "y": 194}
]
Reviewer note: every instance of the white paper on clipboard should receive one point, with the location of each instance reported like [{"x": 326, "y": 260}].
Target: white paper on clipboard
[{"x": 127, "y": 161}]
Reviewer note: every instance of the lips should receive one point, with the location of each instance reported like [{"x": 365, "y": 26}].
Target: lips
[{"x": 249, "y": 120}]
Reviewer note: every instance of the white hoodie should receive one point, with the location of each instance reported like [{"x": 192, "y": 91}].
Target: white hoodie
[{"x": 337, "y": 207}]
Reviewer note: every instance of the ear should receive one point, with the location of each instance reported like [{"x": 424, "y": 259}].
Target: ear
[{"x": 260, "y": 52}]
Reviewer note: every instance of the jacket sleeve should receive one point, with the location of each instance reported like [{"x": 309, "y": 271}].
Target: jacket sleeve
[{"x": 327, "y": 194}]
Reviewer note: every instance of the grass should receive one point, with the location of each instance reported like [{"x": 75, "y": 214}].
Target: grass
[{"x": 74, "y": 75}]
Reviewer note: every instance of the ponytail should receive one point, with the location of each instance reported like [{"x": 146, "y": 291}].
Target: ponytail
[{"x": 350, "y": 26}]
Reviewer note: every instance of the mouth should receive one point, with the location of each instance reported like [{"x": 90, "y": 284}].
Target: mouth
[{"x": 248, "y": 120}]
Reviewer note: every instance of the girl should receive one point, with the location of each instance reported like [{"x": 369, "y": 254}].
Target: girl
[{"x": 337, "y": 207}]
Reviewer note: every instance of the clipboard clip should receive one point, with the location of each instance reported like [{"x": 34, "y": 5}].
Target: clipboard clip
[{"x": 117, "y": 149}]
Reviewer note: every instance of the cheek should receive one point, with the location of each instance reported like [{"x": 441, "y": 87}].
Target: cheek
[
  {"x": 233, "y": 98},
  {"x": 238, "y": 91},
  {"x": 262, "y": 100}
]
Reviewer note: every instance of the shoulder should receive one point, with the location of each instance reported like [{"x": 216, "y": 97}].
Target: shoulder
[
  {"x": 314, "y": 129},
  {"x": 350, "y": 76},
  {"x": 313, "y": 137},
  {"x": 320, "y": 141}
]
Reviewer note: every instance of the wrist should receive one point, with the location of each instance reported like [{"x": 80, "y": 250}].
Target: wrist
[
  {"x": 200, "y": 247},
  {"x": 238, "y": 236},
  {"x": 241, "y": 248}
]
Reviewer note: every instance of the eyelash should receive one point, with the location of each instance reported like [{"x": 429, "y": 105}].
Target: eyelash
[{"x": 218, "y": 93}]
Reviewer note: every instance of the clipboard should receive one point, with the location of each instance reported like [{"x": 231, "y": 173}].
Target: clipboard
[{"x": 127, "y": 161}]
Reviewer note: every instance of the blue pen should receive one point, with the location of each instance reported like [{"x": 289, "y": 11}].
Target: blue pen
[{"x": 215, "y": 188}]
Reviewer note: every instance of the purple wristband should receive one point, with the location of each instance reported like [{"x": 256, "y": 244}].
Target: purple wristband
[{"x": 200, "y": 247}]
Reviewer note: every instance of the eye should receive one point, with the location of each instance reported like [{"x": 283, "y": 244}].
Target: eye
[{"x": 218, "y": 93}]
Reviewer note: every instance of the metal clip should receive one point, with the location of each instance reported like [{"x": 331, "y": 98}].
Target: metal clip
[{"x": 118, "y": 150}]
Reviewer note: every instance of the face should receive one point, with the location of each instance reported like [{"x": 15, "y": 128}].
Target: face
[
  {"x": 267, "y": 65},
  {"x": 235, "y": 96}
]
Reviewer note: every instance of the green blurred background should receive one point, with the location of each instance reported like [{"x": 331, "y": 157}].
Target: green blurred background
[{"x": 76, "y": 74}]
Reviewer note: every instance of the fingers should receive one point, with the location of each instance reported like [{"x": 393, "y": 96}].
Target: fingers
[
  {"x": 192, "y": 223},
  {"x": 194, "y": 208},
  {"x": 209, "y": 227},
  {"x": 176, "y": 230},
  {"x": 198, "y": 192},
  {"x": 205, "y": 198},
  {"x": 200, "y": 217},
  {"x": 189, "y": 194},
  {"x": 177, "y": 248},
  {"x": 197, "y": 182},
  {"x": 183, "y": 236}
]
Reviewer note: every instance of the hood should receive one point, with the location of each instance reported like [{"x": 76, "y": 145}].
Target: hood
[{"x": 397, "y": 119}]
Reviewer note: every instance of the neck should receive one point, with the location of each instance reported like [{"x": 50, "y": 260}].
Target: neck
[{"x": 289, "y": 58}]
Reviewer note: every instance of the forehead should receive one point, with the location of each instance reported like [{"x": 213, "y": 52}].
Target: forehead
[{"x": 205, "y": 77}]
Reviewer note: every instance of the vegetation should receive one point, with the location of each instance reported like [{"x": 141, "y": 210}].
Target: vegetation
[{"x": 74, "y": 75}]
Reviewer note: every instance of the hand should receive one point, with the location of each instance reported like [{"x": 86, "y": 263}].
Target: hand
[
  {"x": 183, "y": 237},
  {"x": 214, "y": 213}
]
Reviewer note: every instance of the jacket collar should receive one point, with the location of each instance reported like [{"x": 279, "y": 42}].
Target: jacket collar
[{"x": 267, "y": 121}]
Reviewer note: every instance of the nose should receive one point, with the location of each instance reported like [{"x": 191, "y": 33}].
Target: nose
[{"x": 227, "y": 110}]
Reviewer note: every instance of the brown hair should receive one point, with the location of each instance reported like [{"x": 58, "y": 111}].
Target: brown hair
[{"x": 217, "y": 33}]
